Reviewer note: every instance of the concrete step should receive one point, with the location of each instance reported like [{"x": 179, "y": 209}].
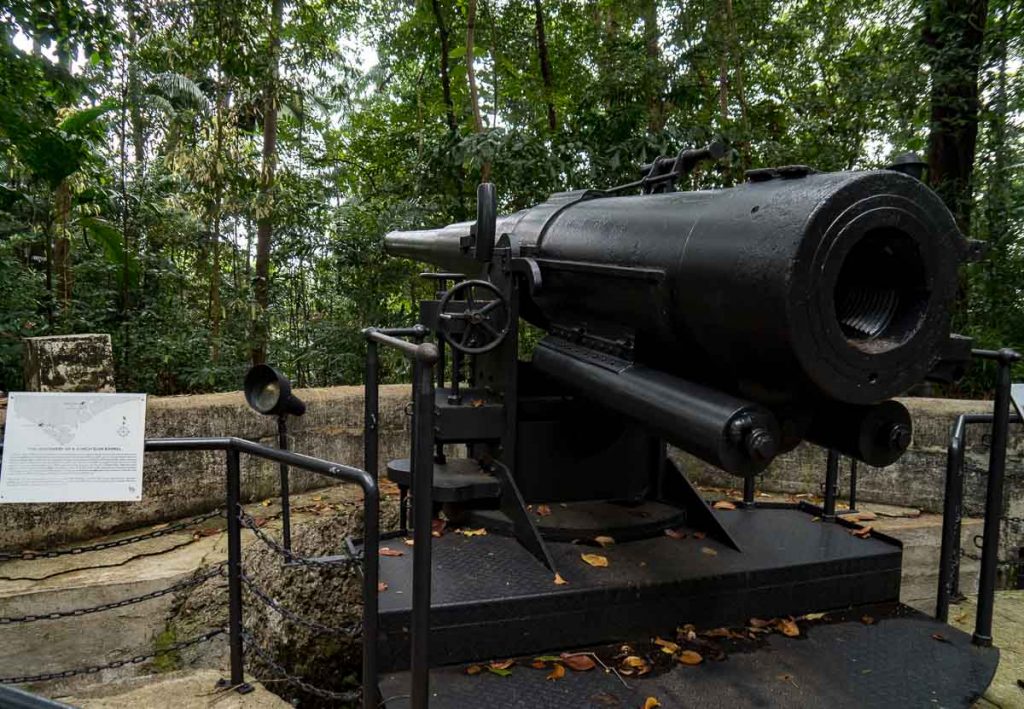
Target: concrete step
[
  {"x": 1006, "y": 690},
  {"x": 93, "y": 578},
  {"x": 186, "y": 689}
]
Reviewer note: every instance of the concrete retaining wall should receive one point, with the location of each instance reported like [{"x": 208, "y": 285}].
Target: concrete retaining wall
[{"x": 177, "y": 485}]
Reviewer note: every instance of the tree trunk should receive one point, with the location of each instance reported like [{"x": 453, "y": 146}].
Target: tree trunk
[
  {"x": 474, "y": 94},
  {"x": 655, "y": 108},
  {"x": 446, "y": 82},
  {"x": 955, "y": 33},
  {"x": 545, "y": 64},
  {"x": 261, "y": 286}
]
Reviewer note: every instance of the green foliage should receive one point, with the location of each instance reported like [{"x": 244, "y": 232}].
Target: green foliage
[{"x": 132, "y": 138}]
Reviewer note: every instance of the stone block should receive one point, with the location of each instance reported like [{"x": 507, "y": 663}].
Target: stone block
[{"x": 69, "y": 363}]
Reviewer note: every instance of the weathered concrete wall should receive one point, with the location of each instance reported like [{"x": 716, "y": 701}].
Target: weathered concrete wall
[
  {"x": 68, "y": 363},
  {"x": 176, "y": 485}
]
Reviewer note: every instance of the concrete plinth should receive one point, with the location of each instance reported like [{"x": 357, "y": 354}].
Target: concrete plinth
[{"x": 69, "y": 363}]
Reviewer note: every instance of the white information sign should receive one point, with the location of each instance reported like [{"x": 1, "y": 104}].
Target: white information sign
[{"x": 73, "y": 447}]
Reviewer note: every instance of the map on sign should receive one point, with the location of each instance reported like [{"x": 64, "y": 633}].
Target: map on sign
[{"x": 73, "y": 447}]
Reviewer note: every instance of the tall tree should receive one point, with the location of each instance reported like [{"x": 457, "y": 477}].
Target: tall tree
[
  {"x": 545, "y": 63},
  {"x": 446, "y": 81},
  {"x": 954, "y": 34},
  {"x": 265, "y": 222},
  {"x": 474, "y": 94}
]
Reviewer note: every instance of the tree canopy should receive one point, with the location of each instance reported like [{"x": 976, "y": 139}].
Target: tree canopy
[{"x": 209, "y": 182}]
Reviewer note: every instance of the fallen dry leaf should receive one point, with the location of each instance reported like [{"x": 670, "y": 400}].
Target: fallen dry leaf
[
  {"x": 759, "y": 623},
  {"x": 538, "y": 665},
  {"x": 472, "y": 532},
  {"x": 709, "y": 551},
  {"x": 724, "y": 505},
  {"x": 675, "y": 533},
  {"x": 381, "y": 586},
  {"x": 863, "y": 532},
  {"x": 786, "y": 677},
  {"x": 595, "y": 560},
  {"x": 651, "y": 703},
  {"x": 578, "y": 662},
  {"x": 499, "y": 671},
  {"x": 473, "y": 670},
  {"x": 667, "y": 646},
  {"x": 604, "y": 541},
  {"x": 813, "y": 616},
  {"x": 699, "y": 535},
  {"x": 690, "y": 657},
  {"x": 787, "y": 627},
  {"x": 501, "y": 664},
  {"x": 409, "y": 542},
  {"x": 557, "y": 672},
  {"x": 388, "y": 551},
  {"x": 867, "y": 620},
  {"x": 719, "y": 633},
  {"x": 542, "y": 510},
  {"x": 317, "y": 498},
  {"x": 437, "y": 527},
  {"x": 559, "y": 581},
  {"x": 634, "y": 665},
  {"x": 476, "y": 403},
  {"x": 940, "y": 637},
  {"x": 165, "y": 525},
  {"x": 266, "y": 503}
]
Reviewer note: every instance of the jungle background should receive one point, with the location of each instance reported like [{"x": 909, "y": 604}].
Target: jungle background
[{"x": 209, "y": 182}]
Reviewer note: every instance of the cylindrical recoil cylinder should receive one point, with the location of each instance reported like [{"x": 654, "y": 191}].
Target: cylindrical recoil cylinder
[
  {"x": 738, "y": 436},
  {"x": 877, "y": 434}
]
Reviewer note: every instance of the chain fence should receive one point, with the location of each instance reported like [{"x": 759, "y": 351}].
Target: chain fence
[
  {"x": 134, "y": 660},
  {"x": 220, "y": 569},
  {"x": 29, "y": 555}
]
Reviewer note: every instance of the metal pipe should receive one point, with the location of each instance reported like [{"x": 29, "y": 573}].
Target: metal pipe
[
  {"x": 748, "y": 491},
  {"x": 286, "y": 512},
  {"x": 828, "y": 511},
  {"x": 422, "y": 484},
  {"x": 235, "y": 569},
  {"x": 994, "y": 498}
]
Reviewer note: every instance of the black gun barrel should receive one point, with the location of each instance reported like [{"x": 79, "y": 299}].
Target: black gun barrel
[{"x": 793, "y": 286}]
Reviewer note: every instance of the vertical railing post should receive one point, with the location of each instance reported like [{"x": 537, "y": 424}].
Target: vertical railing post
[
  {"x": 853, "y": 484},
  {"x": 994, "y": 499},
  {"x": 371, "y": 574},
  {"x": 828, "y": 511},
  {"x": 371, "y": 410},
  {"x": 952, "y": 510},
  {"x": 423, "y": 512},
  {"x": 286, "y": 506},
  {"x": 234, "y": 484}
]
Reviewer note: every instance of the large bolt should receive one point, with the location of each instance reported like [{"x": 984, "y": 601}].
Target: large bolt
[{"x": 897, "y": 436}]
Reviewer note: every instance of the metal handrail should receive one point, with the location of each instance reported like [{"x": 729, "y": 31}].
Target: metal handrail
[
  {"x": 424, "y": 356},
  {"x": 233, "y": 448}
]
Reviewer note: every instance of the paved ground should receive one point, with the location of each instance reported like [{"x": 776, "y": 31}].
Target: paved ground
[
  {"x": 1006, "y": 691},
  {"x": 191, "y": 689}
]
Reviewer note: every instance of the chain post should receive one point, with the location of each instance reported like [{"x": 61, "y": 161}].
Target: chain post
[
  {"x": 234, "y": 484},
  {"x": 423, "y": 512}
]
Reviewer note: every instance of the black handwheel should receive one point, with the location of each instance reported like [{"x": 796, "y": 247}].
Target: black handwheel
[{"x": 478, "y": 327}]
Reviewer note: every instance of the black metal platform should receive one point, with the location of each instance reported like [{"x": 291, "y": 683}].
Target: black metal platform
[
  {"x": 491, "y": 598},
  {"x": 895, "y": 662}
]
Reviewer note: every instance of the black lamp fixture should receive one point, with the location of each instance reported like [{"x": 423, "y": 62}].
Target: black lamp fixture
[{"x": 269, "y": 392}]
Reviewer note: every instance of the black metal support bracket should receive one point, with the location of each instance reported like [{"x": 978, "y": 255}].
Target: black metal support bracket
[
  {"x": 677, "y": 490},
  {"x": 514, "y": 507}
]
